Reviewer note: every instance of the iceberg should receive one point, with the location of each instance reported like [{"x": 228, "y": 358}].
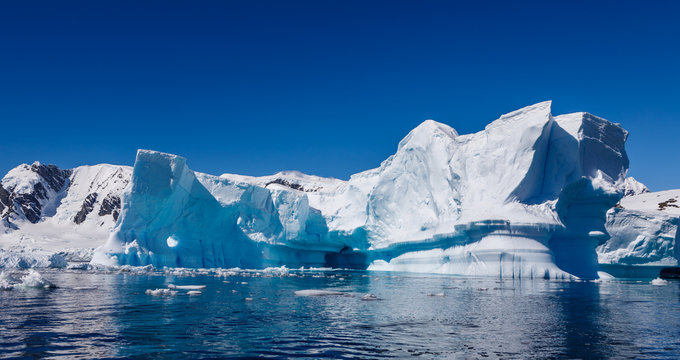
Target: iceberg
[{"x": 525, "y": 197}]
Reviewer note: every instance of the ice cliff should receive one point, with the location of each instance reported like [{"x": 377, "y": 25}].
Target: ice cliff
[{"x": 525, "y": 197}]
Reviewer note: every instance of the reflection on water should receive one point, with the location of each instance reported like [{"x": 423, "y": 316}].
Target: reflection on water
[{"x": 109, "y": 316}]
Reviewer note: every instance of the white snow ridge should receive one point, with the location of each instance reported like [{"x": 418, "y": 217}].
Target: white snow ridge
[{"x": 525, "y": 197}]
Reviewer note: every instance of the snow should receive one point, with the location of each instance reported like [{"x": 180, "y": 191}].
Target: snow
[
  {"x": 660, "y": 202},
  {"x": 525, "y": 197},
  {"x": 644, "y": 230},
  {"x": 104, "y": 180},
  {"x": 25, "y": 258},
  {"x": 633, "y": 187}
]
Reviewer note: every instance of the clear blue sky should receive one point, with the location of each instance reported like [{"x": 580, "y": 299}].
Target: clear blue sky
[{"x": 324, "y": 87}]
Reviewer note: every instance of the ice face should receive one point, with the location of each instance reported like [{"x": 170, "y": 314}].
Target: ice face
[{"x": 527, "y": 196}]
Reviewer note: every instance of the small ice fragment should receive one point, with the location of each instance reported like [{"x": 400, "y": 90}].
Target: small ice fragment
[
  {"x": 85, "y": 288},
  {"x": 244, "y": 283},
  {"x": 6, "y": 281},
  {"x": 78, "y": 266},
  {"x": 186, "y": 287},
  {"x": 249, "y": 299},
  {"x": 604, "y": 276},
  {"x": 659, "y": 281},
  {"x": 436, "y": 294},
  {"x": 34, "y": 280},
  {"x": 313, "y": 292},
  {"x": 194, "y": 292},
  {"x": 369, "y": 297},
  {"x": 160, "y": 292}
]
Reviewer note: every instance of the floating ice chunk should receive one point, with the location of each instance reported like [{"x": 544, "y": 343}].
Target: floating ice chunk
[
  {"x": 605, "y": 276},
  {"x": 313, "y": 292},
  {"x": 369, "y": 297},
  {"x": 6, "y": 281},
  {"x": 161, "y": 292},
  {"x": 436, "y": 294},
  {"x": 194, "y": 292},
  {"x": 659, "y": 281},
  {"x": 249, "y": 299},
  {"x": 187, "y": 287},
  {"x": 78, "y": 266},
  {"x": 34, "y": 280},
  {"x": 85, "y": 288}
]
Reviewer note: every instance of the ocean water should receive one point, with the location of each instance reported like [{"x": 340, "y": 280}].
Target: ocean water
[{"x": 257, "y": 314}]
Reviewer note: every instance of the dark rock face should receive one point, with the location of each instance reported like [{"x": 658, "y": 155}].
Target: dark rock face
[
  {"x": 110, "y": 205},
  {"x": 291, "y": 185},
  {"x": 4, "y": 199},
  {"x": 670, "y": 273},
  {"x": 53, "y": 176},
  {"x": 29, "y": 204},
  {"x": 87, "y": 207}
]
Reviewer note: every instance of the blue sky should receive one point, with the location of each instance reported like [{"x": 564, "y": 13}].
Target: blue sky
[{"x": 324, "y": 87}]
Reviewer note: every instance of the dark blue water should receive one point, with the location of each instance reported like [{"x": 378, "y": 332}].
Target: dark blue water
[{"x": 110, "y": 316}]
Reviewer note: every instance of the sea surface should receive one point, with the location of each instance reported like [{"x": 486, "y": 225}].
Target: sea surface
[{"x": 243, "y": 314}]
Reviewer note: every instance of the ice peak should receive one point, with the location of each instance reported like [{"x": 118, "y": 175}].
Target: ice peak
[
  {"x": 426, "y": 132},
  {"x": 538, "y": 107}
]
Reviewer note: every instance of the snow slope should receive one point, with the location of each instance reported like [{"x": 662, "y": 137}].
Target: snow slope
[
  {"x": 527, "y": 196},
  {"x": 644, "y": 230}
]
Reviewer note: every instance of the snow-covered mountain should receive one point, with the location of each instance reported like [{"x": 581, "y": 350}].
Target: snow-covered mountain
[
  {"x": 45, "y": 210},
  {"x": 633, "y": 187},
  {"x": 29, "y": 191},
  {"x": 527, "y": 196},
  {"x": 644, "y": 230}
]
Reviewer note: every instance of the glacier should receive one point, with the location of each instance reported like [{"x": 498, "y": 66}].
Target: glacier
[{"x": 525, "y": 197}]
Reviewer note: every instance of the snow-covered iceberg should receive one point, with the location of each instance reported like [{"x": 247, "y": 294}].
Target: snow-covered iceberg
[{"x": 527, "y": 196}]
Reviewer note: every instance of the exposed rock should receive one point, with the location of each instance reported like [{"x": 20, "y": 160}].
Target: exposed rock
[
  {"x": 110, "y": 205},
  {"x": 291, "y": 185},
  {"x": 87, "y": 207}
]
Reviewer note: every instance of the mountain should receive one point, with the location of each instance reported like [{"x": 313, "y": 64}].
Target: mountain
[
  {"x": 644, "y": 230},
  {"x": 525, "y": 197},
  {"x": 46, "y": 210}
]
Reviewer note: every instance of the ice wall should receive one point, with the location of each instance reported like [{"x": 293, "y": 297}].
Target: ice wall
[{"x": 527, "y": 196}]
